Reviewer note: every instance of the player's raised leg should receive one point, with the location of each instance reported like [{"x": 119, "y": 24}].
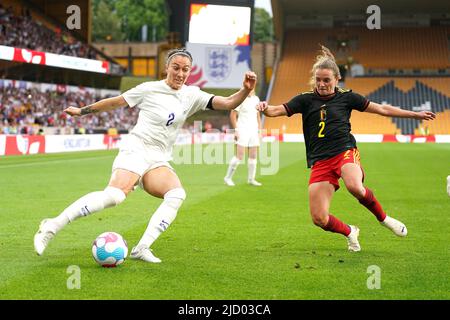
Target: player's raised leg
[
  {"x": 161, "y": 182},
  {"x": 353, "y": 176},
  {"x": 121, "y": 183},
  {"x": 320, "y": 195}
]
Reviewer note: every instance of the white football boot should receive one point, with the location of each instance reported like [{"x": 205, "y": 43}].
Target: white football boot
[
  {"x": 228, "y": 182},
  {"x": 448, "y": 185},
  {"x": 352, "y": 239},
  {"x": 143, "y": 253},
  {"x": 397, "y": 227},
  {"x": 254, "y": 183},
  {"x": 46, "y": 232}
]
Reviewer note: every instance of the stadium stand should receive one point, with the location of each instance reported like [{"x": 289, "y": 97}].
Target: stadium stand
[
  {"x": 399, "y": 48},
  {"x": 392, "y": 52},
  {"x": 32, "y": 96},
  {"x": 28, "y": 109},
  {"x": 23, "y": 31}
]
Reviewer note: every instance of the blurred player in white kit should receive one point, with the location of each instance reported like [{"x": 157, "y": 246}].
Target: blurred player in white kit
[{"x": 247, "y": 129}]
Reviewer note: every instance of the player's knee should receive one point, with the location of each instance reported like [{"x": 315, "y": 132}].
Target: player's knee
[
  {"x": 319, "y": 219},
  {"x": 356, "y": 189},
  {"x": 175, "y": 197},
  {"x": 115, "y": 196}
]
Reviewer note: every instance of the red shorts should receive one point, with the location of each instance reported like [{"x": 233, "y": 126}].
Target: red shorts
[{"x": 330, "y": 169}]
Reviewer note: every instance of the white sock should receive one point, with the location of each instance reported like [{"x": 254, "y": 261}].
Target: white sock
[
  {"x": 252, "y": 169},
  {"x": 163, "y": 216},
  {"x": 232, "y": 167},
  {"x": 88, "y": 204}
]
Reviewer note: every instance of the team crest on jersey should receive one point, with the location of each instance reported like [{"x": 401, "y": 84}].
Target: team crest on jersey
[
  {"x": 219, "y": 63},
  {"x": 323, "y": 113}
]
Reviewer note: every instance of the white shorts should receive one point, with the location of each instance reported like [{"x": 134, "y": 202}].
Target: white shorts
[
  {"x": 135, "y": 156},
  {"x": 248, "y": 139}
]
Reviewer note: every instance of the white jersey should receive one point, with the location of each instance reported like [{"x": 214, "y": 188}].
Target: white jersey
[
  {"x": 163, "y": 112},
  {"x": 248, "y": 115}
]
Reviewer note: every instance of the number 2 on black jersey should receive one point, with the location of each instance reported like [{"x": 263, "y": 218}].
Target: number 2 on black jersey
[{"x": 322, "y": 127}]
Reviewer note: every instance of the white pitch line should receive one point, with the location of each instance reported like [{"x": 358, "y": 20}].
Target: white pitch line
[{"x": 7, "y": 166}]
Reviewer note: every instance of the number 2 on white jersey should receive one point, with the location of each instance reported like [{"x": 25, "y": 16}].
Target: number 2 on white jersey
[{"x": 171, "y": 118}]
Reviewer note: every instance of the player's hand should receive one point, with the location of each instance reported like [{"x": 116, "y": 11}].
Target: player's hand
[
  {"x": 425, "y": 115},
  {"x": 236, "y": 135},
  {"x": 262, "y": 106},
  {"x": 250, "y": 80},
  {"x": 73, "y": 111}
]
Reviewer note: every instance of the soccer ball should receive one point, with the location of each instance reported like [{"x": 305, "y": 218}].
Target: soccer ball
[{"x": 109, "y": 249}]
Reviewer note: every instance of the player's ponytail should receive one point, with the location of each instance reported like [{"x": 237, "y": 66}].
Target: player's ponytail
[
  {"x": 325, "y": 60},
  {"x": 325, "y": 53}
]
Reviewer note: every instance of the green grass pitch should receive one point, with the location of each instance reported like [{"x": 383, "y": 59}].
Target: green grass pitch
[{"x": 232, "y": 243}]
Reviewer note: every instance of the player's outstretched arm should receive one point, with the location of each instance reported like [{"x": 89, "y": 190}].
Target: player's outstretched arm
[
  {"x": 271, "y": 111},
  {"x": 233, "y": 101},
  {"x": 390, "y": 111},
  {"x": 107, "y": 104}
]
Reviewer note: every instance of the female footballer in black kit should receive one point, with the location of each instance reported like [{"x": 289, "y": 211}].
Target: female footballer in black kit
[{"x": 331, "y": 149}]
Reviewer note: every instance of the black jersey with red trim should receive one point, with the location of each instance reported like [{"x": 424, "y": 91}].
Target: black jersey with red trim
[{"x": 326, "y": 121}]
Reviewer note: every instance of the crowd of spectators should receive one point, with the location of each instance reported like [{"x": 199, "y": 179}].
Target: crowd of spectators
[
  {"x": 24, "y": 32},
  {"x": 25, "y": 110},
  {"x": 28, "y": 111}
]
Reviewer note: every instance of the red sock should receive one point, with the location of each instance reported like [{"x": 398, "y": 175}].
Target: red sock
[
  {"x": 336, "y": 225},
  {"x": 370, "y": 202}
]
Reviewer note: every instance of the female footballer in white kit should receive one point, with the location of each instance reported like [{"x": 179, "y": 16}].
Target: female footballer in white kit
[
  {"x": 247, "y": 136},
  {"x": 143, "y": 159}
]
